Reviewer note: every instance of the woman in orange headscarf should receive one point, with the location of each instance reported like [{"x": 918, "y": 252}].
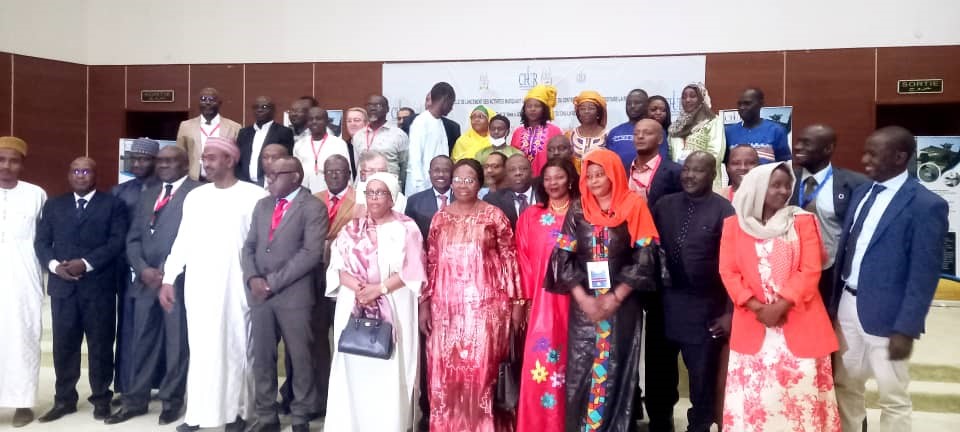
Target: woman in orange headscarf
[
  {"x": 607, "y": 253},
  {"x": 532, "y": 136},
  {"x": 591, "y": 109}
]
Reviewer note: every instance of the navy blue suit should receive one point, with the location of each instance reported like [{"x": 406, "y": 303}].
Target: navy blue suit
[
  {"x": 666, "y": 181},
  {"x": 902, "y": 263},
  {"x": 421, "y": 207}
]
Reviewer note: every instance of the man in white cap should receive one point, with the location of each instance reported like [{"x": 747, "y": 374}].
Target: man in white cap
[{"x": 216, "y": 219}]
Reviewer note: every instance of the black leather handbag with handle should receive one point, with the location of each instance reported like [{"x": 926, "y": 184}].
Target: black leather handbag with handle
[{"x": 367, "y": 336}]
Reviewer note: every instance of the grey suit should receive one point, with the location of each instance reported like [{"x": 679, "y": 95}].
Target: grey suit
[
  {"x": 288, "y": 262},
  {"x": 159, "y": 343}
]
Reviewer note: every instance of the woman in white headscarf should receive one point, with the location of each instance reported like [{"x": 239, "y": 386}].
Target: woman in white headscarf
[
  {"x": 779, "y": 375},
  {"x": 697, "y": 128},
  {"x": 376, "y": 267}
]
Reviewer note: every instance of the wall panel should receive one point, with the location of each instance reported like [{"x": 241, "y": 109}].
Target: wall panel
[
  {"x": 729, "y": 74},
  {"x": 918, "y": 63},
  {"x": 107, "y": 119},
  {"x": 157, "y": 77},
  {"x": 6, "y": 74},
  {"x": 227, "y": 79},
  {"x": 283, "y": 82},
  {"x": 345, "y": 85}
]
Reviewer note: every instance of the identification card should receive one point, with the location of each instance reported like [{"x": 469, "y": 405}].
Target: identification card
[{"x": 599, "y": 274}]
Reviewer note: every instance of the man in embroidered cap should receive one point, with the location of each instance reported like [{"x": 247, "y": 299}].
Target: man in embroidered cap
[
  {"x": 193, "y": 134},
  {"x": 216, "y": 219},
  {"x": 20, "y": 303}
]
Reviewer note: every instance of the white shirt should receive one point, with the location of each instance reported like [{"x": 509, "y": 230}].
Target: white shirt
[
  {"x": 438, "y": 195},
  {"x": 428, "y": 139},
  {"x": 213, "y": 129},
  {"x": 830, "y": 224},
  {"x": 52, "y": 265},
  {"x": 388, "y": 140},
  {"x": 258, "y": 138},
  {"x": 530, "y": 199},
  {"x": 163, "y": 189},
  {"x": 313, "y": 153},
  {"x": 870, "y": 223}
]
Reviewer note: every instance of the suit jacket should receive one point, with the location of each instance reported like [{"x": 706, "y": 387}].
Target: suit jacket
[
  {"x": 421, "y": 207},
  {"x": 289, "y": 261},
  {"x": 505, "y": 199},
  {"x": 150, "y": 249},
  {"x": 451, "y": 127},
  {"x": 97, "y": 236},
  {"x": 129, "y": 191},
  {"x": 844, "y": 183},
  {"x": 345, "y": 213},
  {"x": 901, "y": 265},
  {"x": 666, "y": 180},
  {"x": 807, "y": 330},
  {"x": 188, "y": 138},
  {"x": 277, "y": 134}
]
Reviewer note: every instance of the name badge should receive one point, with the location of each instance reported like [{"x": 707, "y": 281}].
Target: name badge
[{"x": 599, "y": 274}]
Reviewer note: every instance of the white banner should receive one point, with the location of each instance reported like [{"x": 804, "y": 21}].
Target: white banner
[{"x": 501, "y": 85}]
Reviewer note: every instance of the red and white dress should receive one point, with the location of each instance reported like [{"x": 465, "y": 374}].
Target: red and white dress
[{"x": 774, "y": 390}]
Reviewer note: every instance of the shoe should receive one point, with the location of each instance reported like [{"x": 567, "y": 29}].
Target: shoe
[
  {"x": 317, "y": 415},
  {"x": 101, "y": 411},
  {"x": 238, "y": 425},
  {"x": 22, "y": 417},
  {"x": 117, "y": 401},
  {"x": 187, "y": 428},
  {"x": 169, "y": 415},
  {"x": 265, "y": 427},
  {"x": 124, "y": 415},
  {"x": 301, "y": 427},
  {"x": 284, "y": 407},
  {"x": 58, "y": 410}
]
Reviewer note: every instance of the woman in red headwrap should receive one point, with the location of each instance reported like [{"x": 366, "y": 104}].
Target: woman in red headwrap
[{"x": 607, "y": 254}]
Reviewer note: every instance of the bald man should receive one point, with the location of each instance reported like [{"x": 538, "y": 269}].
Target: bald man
[
  {"x": 652, "y": 175},
  {"x": 80, "y": 240},
  {"x": 252, "y": 140},
  {"x": 193, "y": 134}
]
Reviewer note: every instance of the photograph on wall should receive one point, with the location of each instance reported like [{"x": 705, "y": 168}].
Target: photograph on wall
[
  {"x": 336, "y": 121},
  {"x": 126, "y": 160},
  {"x": 938, "y": 158}
]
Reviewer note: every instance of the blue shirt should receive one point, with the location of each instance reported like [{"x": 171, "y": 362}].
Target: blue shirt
[
  {"x": 620, "y": 141},
  {"x": 768, "y": 138}
]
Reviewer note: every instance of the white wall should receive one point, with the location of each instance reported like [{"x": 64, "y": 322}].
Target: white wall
[{"x": 226, "y": 31}]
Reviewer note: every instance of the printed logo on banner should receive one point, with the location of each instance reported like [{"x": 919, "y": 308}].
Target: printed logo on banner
[
  {"x": 527, "y": 80},
  {"x": 581, "y": 77},
  {"x": 484, "y": 81}
]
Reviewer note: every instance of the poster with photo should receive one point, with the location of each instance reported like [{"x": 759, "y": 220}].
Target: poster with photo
[
  {"x": 782, "y": 115},
  {"x": 126, "y": 160},
  {"x": 937, "y": 169}
]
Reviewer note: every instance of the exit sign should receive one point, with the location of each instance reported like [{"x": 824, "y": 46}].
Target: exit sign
[
  {"x": 156, "y": 95},
  {"x": 920, "y": 86}
]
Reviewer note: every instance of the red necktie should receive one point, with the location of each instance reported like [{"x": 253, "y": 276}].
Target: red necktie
[
  {"x": 333, "y": 206},
  {"x": 443, "y": 201},
  {"x": 277, "y": 215}
]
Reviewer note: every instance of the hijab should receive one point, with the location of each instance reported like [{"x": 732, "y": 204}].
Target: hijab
[
  {"x": 685, "y": 125},
  {"x": 472, "y": 142},
  {"x": 627, "y": 205},
  {"x": 596, "y": 99},
  {"x": 748, "y": 202}
]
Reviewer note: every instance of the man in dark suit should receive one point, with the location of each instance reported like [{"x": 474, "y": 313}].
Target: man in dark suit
[
  {"x": 80, "y": 239},
  {"x": 159, "y": 340},
  {"x": 421, "y": 206},
  {"x": 652, "y": 175},
  {"x": 518, "y": 193},
  {"x": 253, "y": 138},
  {"x": 890, "y": 255},
  {"x": 695, "y": 305},
  {"x": 824, "y": 190},
  {"x": 283, "y": 249}
]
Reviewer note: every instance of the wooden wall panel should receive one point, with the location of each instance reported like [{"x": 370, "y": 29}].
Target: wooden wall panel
[
  {"x": 49, "y": 98},
  {"x": 835, "y": 87},
  {"x": 6, "y": 74},
  {"x": 729, "y": 74},
  {"x": 106, "y": 120},
  {"x": 157, "y": 77},
  {"x": 227, "y": 79},
  {"x": 283, "y": 82},
  {"x": 918, "y": 63},
  {"x": 345, "y": 85}
]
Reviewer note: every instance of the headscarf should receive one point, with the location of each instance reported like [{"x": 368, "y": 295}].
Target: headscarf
[
  {"x": 627, "y": 205},
  {"x": 748, "y": 202},
  {"x": 596, "y": 98},
  {"x": 546, "y": 94},
  {"x": 225, "y": 145},
  {"x": 13, "y": 143},
  {"x": 145, "y": 146},
  {"x": 392, "y": 182},
  {"x": 471, "y": 142},
  {"x": 684, "y": 125}
]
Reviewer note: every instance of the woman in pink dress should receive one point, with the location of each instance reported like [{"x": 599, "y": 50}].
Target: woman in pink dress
[
  {"x": 531, "y": 137},
  {"x": 542, "y": 383},
  {"x": 466, "y": 309}
]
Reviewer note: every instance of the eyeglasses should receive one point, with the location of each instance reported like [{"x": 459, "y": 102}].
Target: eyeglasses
[
  {"x": 378, "y": 194},
  {"x": 81, "y": 172},
  {"x": 335, "y": 172},
  {"x": 261, "y": 106},
  {"x": 464, "y": 180},
  {"x": 273, "y": 175},
  {"x": 208, "y": 98}
]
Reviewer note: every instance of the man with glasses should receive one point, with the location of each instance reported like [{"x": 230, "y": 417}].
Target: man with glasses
[
  {"x": 372, "y": 162},
  {"x": 253, "y": 138},
  {"x": 518, "y": 193},
  {"x": 193, "y": 134},
  {"x": 389, "y": 140}
]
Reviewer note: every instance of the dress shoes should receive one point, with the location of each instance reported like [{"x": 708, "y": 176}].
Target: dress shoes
[
  {"x": 58, "y": 410},
  {"x": 305, "y": 427},
  {"x": 266, "y": 427},
  {"x": 22, "y": 417},
  {"x": 124, "y": 415},
  {"x": 101, "y": 411},
  {"x": 187, "y": 428},
  {"x": 169, "y": 415},
  {"x": 238, "y": 425}
]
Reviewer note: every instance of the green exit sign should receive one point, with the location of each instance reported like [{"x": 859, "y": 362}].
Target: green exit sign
[{"x": 920, "y": 86}]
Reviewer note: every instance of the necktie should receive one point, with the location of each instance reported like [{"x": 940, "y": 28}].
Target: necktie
[
  {"x": 522, "y": 202},
  {"x": 277, "y": 215},
  {"x": 850, "y": 246},
  {"x": 81, "y": 205},
  {"x": 167, "y": 195},
  {"x": 332, "y": 207},
  {"x": 443, "y": 201},
  {"x": 682, "y": 235},
  {"x": 809, "y": 185}
]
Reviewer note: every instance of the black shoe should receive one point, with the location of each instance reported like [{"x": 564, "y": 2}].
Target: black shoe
[
  {"x": 22, "y": 417},
  {"x": 265, "y": 427},
  {"x": 284, "y": 407},
  {"x": 117, "y": 401},
  {"x": 56, "y": 412},
  {"x": 317, "y": 415},
  {"x": 101, "y": 411},
  {"x": 124, "y": 415},
  {"x": 170, "y": 415},
  {"x": 301, "y": 427},
  {"x": 238, "y": 425},
  {"x": 187, "y": 428}
]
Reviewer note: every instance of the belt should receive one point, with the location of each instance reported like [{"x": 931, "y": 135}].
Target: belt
[{"x": 850, "y": 290}]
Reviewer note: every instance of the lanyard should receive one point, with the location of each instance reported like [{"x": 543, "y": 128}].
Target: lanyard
[
  {"x": 316, "y": 153},
  {"x": 212, "y": 131},
  {"x": 371, "y": 136},
  {"x": 813, "y": 196}
]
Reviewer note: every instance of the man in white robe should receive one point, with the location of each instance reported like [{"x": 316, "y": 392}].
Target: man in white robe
[
  {"x": 428, "y": 138},
  {"x": 22, "y": 297},
  {"x": 216, "y": 218}
]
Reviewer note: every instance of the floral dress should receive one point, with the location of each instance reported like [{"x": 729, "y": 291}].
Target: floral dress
[{"x": 774, "y": 390}]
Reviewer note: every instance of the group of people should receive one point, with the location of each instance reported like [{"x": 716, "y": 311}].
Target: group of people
[{"x": 576, "y": 256}]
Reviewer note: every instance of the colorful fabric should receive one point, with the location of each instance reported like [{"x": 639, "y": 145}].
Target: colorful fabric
[
  {"x": 687, "y": 123},
  {"x": 584, "y": 144},
  {"x": 533, "y": 143},
  {"x": 470, "y": 143},
  {"x": 768, "y": 138},
  {"x": 627, "y": 205},
  {"x": 546, "y": 94}
]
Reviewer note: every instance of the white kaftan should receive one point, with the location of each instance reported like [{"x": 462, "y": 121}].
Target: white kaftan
[
  {"x": 21, "y": 295},
  {"x": 428, "y": 139},
  {"x": 214, "y": 226}
]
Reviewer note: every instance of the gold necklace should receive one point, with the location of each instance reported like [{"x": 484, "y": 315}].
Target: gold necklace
[{"x": 560, "y": 208}]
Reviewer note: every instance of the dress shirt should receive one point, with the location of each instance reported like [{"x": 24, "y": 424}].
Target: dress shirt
[
  {"x": 258, "y": 141},
  {"x": 305, "y": 133},
  {"x": 531, "y": 199},
  {"x": 388, "y": 140},
  {"x": 52, "y": 265},
  {"x": 641, "y": 176},
  {"x": 212, "y": 129},
  {"x": 312, "y": 162},
  {"x": 437, "y": 195},
  {"x": 870, "y": 223},
  {"x": 830, "y": 224},
  {"x": 176, "y": 186},
  {"x": 289, "y": 199}
]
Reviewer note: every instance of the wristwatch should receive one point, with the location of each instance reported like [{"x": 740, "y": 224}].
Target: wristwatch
[{"x": 383, "y": 289}]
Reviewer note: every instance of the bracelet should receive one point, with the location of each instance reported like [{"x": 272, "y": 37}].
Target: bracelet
[{"x": 519, "y": 302}]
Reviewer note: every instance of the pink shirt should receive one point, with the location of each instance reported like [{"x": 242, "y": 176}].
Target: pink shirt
[{"x": 641, "y": 176}]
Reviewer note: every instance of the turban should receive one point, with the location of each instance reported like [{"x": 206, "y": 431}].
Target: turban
[
  {"x": 392, "y": 182},
  {"x": 145, "y": 146},
  {"x": 225, "y": 145},
  {"x": 596, "y": 98},
  {"x": 546, "y": 94},
  {"x": 14, "y": 143},
  {"x": 486, "y": 111}
]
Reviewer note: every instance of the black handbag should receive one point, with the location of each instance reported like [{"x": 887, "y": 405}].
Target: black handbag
[
  {"x": 507, "y": 395},
  {"x": 366, "y": 336}
]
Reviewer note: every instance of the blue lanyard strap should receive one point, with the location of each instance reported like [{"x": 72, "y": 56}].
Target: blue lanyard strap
[{"x": 813, "y": 196}]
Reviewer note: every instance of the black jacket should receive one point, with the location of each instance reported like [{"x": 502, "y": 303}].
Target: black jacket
[{"x": 277, "y": 134}]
